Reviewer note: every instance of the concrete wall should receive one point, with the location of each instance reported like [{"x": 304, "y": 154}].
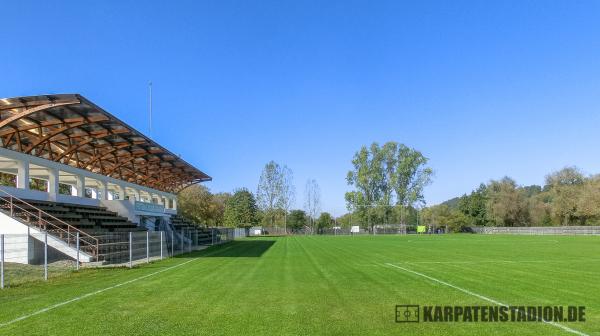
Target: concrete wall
[
  {"x": 16, "y": 248},
  {"x": 78, "y": 200},
  {"x": 124, "y": 208},
  {"x": 25, "y": 243}
]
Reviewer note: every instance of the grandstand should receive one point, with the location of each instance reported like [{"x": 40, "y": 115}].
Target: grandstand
[{"x": 72, "y": 170}]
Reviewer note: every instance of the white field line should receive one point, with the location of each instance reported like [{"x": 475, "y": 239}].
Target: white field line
[
  {"x": 501, "y": 261},
  {"x": 425, "y": 240},
  {"x": 88, "y": 295},
  {"x": 85, "y": 296},
  {"x": 485, "y": 298}
]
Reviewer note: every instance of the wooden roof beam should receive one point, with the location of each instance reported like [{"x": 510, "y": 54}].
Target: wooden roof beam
[{"x": 30, "y": 111}]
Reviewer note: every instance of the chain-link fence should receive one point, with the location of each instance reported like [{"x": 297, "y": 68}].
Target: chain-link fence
[
  {"x": 27, "y": 258},
  {"x": 358, "y": 230},
  {"x": 39, "y": 256}
]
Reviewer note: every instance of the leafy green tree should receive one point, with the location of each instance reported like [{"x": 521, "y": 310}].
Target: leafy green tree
[
  {"x": 532, "y": 190},
  {"x": 241, "y": 209},
  {"x": 325, "y": 221},
  {"x": 38, "y": 184},
  {"x": 565, "y": 187},
  {"x": 539, "y": 210},
  {"x": 588, "y": 202},
  {"x": 386, "y": 175},
  {"x": 197, "y": 204},
  {"x": 312, "y": 201},
  {"x": 9, "y": 180},
  {"x": 443, "y": 216},
  {"x": 218, "y": 205},
  {"x": 410, "y": 175},
  {"x": 64, "y": 189},
  {"x": 297, "y": 220},
  {"x": 344, "y": 220},
  {"x": 275, "y": 191},
  {"x": 455, "y": 221},
  {"x": 474, "y": 206},
  {"x": 568, "y": 176},
  {"x": 369, "y": 181},
  {"x": 507, "y": 204}
]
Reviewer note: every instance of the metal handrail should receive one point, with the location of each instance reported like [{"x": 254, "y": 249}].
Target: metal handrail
[{"x": 70, "y": 231}]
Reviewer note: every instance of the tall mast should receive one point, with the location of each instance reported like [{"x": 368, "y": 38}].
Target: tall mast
[{"x": 150, "y": 111}]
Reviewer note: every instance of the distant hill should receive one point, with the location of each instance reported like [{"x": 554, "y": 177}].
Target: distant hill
[{"x": 452, "y": 203}]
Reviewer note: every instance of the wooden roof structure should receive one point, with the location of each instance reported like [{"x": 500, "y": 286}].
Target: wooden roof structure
[{"x": 70, "y": 129}]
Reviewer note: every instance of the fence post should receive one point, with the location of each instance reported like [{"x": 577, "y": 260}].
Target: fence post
[
  {"x": 147, "y": 247},
  {"x": 182, "y": 236},
  {"x": 161, "y": 245},
  {"x": 77, "y": 243},
  {"x": 45, "y": 255},
  {"x": 130, "y": 249},
  {"x": 1, "y": 261},
  {"x": 172, "y": 243}
]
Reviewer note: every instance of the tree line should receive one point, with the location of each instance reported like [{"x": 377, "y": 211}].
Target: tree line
[
  {"x": 387, "y": 183},
  {"x": 568, "y": 197},
  {"x": 271, "y": 204}
]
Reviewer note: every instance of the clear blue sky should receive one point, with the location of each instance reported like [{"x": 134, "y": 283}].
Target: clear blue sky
[{"x": 483, "y": 89}]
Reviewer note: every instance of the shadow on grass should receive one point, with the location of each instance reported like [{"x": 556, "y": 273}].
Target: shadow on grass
[{"x": 243, "y": 248}]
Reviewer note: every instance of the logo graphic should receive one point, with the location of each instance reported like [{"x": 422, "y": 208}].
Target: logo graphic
[
  {"x": 407, "y": 313},
  {"x": 494, "y": 313}
]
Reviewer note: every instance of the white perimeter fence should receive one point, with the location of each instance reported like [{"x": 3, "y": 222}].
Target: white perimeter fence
[{"x": 539, "y": 230}]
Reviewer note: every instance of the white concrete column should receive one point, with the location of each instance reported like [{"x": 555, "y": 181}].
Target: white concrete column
[
  {"x": 103, "y": 192},
  {"x": 136, "y": 194},
  {"x": 158, "y": 199},
  {"x": 121, "y": 192},
  {"x": 174, "y": 203},
  {"x": 53, "y": 183},
  {"x": 80, "y": 185},
  {"x": 22, "y": 174}
]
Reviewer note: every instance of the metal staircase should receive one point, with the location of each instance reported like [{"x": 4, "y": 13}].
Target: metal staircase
[{"x": 37, "y": 218}]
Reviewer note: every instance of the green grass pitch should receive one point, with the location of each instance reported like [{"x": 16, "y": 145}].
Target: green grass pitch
[{"x": 323, "y": 285}]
